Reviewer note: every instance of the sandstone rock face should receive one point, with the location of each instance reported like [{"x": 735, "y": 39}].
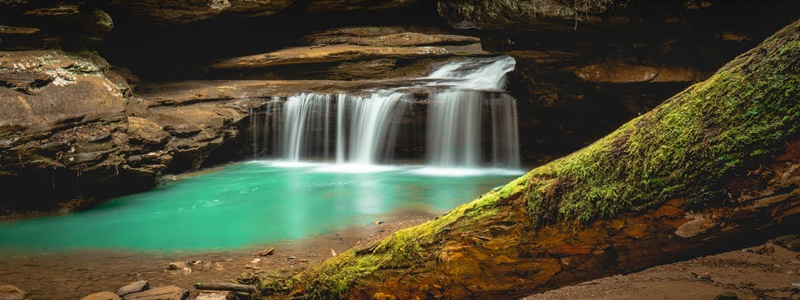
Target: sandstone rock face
[
  {"x": 102, "y": 296},
  {"x": 190, "y": 11},
  {"x": 326, "y": 6},
  {"x": 354, "y": 53},
  {"x": 71, "y": 134},
  {"x": 169, "y": 292},
  {"x": 10, "y": 292},
  {"x": 52, "y": 24},
  {"x": 480, "y": 13}
]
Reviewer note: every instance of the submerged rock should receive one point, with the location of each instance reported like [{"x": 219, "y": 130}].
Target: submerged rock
[{"x": 134, "y": 287}]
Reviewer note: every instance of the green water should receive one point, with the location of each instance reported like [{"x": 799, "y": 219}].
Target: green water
[{"x": 250, "y": 203}]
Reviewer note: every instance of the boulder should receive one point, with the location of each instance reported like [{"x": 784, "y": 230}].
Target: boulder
[
  {"x": 10, "y": 292},
  {"x": 169, "y": 292},
  {"x": 102, "y": 296},
  {"x": 134, "y": 287}
]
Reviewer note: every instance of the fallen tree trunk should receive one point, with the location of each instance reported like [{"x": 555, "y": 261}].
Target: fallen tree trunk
[{"x": 715, "y": 167}]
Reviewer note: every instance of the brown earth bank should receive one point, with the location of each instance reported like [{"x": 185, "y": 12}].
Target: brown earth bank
[
  {"x": 766, "y": 271},
  {"x": 74, "y": 274}
]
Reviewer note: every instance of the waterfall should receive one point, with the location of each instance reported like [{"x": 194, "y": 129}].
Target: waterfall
[
  {"x": 471, "y": 121},
  {"x": 373, "y": 130},
  {"x": 456, "y": 115}
]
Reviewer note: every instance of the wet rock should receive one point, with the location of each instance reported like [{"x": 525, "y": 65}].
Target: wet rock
[
  {"x": 10, "y": 292},
  {"x": 102, "y": 296},
  {"x": 266, "y": 252},
  {"x": 179, "y": 265},
  {"x": 134, "y": 287},
  {"x": 169, "y": 292}
]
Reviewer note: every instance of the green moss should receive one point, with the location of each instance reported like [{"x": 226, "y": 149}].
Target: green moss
[
  {"x": 403, "y": 250},
  {"x": 685, "y": 147}
]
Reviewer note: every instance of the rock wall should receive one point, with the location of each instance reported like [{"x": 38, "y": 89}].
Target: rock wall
[{"x": 184, "y": 75}]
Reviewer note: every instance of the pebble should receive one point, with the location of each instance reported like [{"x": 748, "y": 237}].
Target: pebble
[
  {"x": 196, "y": 262},
  {"x": 267, "y": 251},
  {"x": 796, "y": 284},
  {"x": 255, "y": 260},
  {"x": 133, "y": 287},
  {"x": 179, "y": 265}
]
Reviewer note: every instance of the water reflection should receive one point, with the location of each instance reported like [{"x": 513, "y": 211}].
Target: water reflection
[{"x": 248, "y": 203}]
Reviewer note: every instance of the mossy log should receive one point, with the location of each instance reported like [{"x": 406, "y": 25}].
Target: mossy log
[{"x": 713, "y": 168}]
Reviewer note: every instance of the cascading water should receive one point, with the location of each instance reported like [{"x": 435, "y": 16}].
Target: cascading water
[
  {"x": 456, "y": 115},
  {"x": 471, "y": 121}
]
